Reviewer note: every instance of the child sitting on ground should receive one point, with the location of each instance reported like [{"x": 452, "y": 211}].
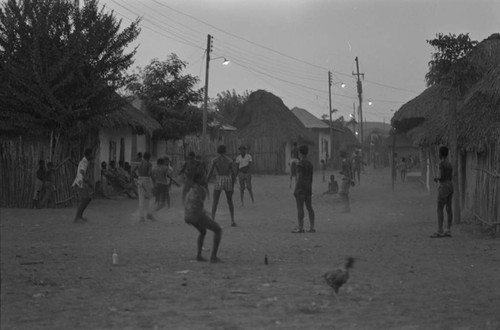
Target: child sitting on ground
[
  {"x": 333, "y": 186},
  {"x": 197, "y": 216}
]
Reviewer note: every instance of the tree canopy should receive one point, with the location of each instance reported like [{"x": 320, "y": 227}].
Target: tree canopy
[
  {"x": 450, "y": 65},
  {"x": 229, "y": 103},
  {"x": 170, "y": 96},
  {"x": 60, "y": 64}
]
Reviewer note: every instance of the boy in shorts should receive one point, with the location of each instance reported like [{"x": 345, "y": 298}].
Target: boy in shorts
[
  {"x": 244, "y": 161},
  {"x": 224, "y": 181},
  {"x": 197, "y": 216}
]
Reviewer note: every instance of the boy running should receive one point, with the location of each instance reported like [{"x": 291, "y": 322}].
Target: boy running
[
  {"x": 197, "y": 216},
  {"x": 303, "y": 190},
  {"x": 224, "y": 181},
  {"x": 244, "y": 161},
  {"x": 82, "y": 185}
]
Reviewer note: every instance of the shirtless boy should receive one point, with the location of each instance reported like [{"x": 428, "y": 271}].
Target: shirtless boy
[{"x": 224, "y": 181}]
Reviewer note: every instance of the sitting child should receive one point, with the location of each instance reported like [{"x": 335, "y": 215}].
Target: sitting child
[{"x": 333, "y": 186}]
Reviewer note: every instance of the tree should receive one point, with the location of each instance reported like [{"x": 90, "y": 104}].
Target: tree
[
  {"x": 230, "y": 103},
  {"x": 170, "y": 96},
  {"x": 450, "y": 65},
  {"x": 60, "y": 64}
]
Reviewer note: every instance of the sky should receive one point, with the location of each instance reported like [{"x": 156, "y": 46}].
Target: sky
[{"x": 287, "y": 47}]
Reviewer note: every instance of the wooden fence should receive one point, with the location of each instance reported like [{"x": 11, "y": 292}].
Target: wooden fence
[
  {"x": 268, "y": 154},
  {"x": 485, "y": 200},
  {"x": 19, "y": 163}
]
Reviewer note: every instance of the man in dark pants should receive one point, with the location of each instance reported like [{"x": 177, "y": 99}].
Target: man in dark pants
[
  {"x": 83, "y": 186},
  {"x": 303, "y": 191},
  {"x": 445, "y": 194},
  {"x": 347, "y": 181}
]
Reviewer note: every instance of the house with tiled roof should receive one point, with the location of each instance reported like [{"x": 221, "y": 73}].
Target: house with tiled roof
[{"x": 321, "y": 133}]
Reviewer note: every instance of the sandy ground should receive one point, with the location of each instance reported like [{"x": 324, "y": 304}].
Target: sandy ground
[{"x": 59, "y": 275}]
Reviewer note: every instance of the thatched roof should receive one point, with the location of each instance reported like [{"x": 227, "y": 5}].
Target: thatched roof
[
  {"x": 424, "y": 118},
  {"x": 265, "y": 115},
  {"x": 479, "y": 118},
  {"x": 421, "y": 108},
  {"x": 128, "y": 116}
]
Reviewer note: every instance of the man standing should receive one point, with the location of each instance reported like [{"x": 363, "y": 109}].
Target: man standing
[
  {"x": 145, "y": 187},
  {"x": 347, "y": 181},
  {"x": 294, "y": 159},
  {"x": 357, "y": 163},
  {"x": 83, "y": 186},
  {"x": 244, "y": 161},
  {"x": 303, "y": 191},
  {"x": 445, "y": 194},
  {"x": 224, "y": 181}
]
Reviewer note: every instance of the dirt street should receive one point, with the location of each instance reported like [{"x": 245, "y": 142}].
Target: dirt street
[{"x": 59, "y": 275}]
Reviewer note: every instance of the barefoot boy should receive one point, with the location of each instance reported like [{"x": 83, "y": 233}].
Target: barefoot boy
[
  {"x": 445, "y": 194},
  {"x": 224, "y": 181},
  {"x": 198, "y": 217},
  {"x": 243, "y": 163}
]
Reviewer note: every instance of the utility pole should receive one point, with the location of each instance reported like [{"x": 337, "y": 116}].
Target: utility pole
[
  {"x": 330, "y": 112},
  {"x": 355, "y": 127},
  {"x": 455, "y": 152},
  {"x": 205, "y": 103},
  {"x": 360, "y": 96}
]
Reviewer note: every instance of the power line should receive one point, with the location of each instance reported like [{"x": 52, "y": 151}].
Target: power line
[{"x": 277, "y": 67}]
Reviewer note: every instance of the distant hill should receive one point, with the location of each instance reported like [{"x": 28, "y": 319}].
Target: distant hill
[{"x": 371, "y": 125}]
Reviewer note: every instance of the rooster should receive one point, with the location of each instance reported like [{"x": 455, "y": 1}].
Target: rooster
[{"x": 337, "y": 277}]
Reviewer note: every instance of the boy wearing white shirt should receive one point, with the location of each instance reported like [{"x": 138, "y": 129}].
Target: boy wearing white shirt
[
  {"x": 82, "y": 185},
  {"x": 244, "y": 161}
]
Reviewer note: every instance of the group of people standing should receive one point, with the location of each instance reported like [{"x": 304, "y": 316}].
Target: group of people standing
[
  {"x": 196, "y": 186},
  {"x": 301, "y": 169},
  {"x": 156, "y": 182}
]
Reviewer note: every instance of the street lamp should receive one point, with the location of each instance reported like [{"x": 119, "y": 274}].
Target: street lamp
[{"x": 205, "y": 101}]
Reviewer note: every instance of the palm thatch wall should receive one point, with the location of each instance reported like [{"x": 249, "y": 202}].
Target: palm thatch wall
[{"x": 479, "y": 118}]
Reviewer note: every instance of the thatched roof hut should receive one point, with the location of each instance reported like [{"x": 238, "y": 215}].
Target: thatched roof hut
[
  {"x": 265, "y": 115},
  {"x": 424, "y": 118},
  {"x": 128, "y": 116}
]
